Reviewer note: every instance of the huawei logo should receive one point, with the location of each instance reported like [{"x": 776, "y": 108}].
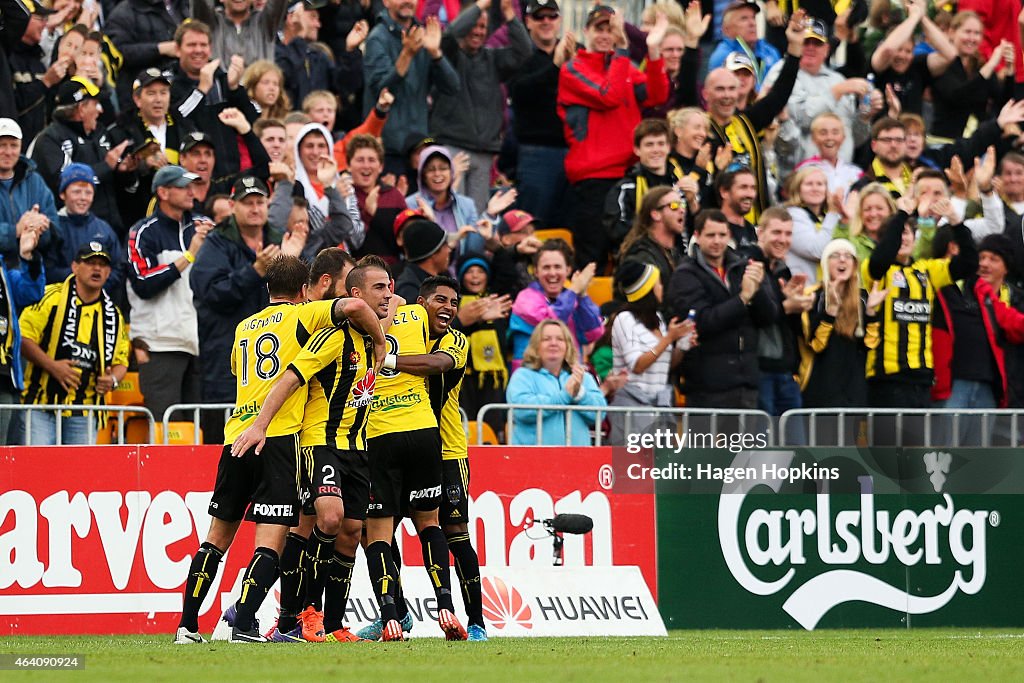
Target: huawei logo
[
  {"x": 362, "y": 392},
  {"x": 503, "y": 605}
]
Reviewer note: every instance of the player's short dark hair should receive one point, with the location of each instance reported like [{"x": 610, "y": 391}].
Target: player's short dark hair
[
  {"x": 357, "y": 276},
  {"x": 286, "y": 276},
  {"x": 556, "y": 244},
  {"x": 329, "y": 261},
  {"x": 650, "y": 128},
  {"x": 430, "y": 285},
  {"x": 708, "y": 215}
]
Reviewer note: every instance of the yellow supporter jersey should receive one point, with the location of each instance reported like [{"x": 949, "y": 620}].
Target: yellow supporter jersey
[
  {"x": 265, "y": 343},
  {"x": 905, "y": 346},
  {"x": 400, "y": 400},
  {"x": 92, "y": 336},
  {"x": 444, "y": 394},
  {"x": 341, "y": 359}
]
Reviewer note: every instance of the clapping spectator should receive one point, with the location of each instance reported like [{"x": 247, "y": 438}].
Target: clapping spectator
[
  {"x": 871, "y": 206},
  {"x": 551, "y": 374},
  {"x": 548, "y": 297},
  {"x": 34, "y": 82},
  {"x": 814, "y": 221},
  {"x": 29, "y": 202},
  {"x": 828, "y": 133},
  {"x": 510, "y": 264}
]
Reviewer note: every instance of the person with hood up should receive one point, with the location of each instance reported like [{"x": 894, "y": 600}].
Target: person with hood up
[{"x": 334, "y": 217}]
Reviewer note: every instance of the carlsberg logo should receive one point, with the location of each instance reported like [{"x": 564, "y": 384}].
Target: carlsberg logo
[{"x": 940, "y": 535}]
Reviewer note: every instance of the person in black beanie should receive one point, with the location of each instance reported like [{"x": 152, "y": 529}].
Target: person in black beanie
[{"x": 427, "y": 253}]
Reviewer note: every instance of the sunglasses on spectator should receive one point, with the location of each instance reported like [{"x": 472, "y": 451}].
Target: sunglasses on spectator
[
  {"x": 546, "y": 16},
  {"x": 675, "y": 206},
  {"x": 888, "y": 139}
]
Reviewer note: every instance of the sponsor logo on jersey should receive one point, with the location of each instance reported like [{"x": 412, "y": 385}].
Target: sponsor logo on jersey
[{"x": 362, "y": 392}]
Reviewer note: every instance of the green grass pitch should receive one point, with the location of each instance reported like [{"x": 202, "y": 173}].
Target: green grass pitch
[{"x": 854, "y": 655}]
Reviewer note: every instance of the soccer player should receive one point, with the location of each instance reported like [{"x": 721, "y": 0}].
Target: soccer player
[
  {"x": 258, "y": 480},
  {"x": 405, "y": 476},
  {"x": 327, "y": 276},
  {"x": 444, "y": 368},
  {"x": 339, "y": 480}
]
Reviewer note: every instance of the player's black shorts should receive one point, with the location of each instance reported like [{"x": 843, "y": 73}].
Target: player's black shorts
[
  {"x": 327, "y": 471},
  {"x": 405, "y": 472},
  {"x": 261, "y": 488},
  {"x": 454, "y": 492}
]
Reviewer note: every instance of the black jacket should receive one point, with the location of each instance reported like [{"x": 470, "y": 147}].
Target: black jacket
[
  {"x": 64, "y": 142},
  {"x": 408, "y": 283},
  {"x": 227, "y": 290},
  {"x": 30, "y": 93},
  {"x": 726, "y": 357},
  {"x": 14, "y": 18},
  {"x": 777, "y": 347},
  {"x": 534, "y": 94},
  {"x": 136, "y": 26}
]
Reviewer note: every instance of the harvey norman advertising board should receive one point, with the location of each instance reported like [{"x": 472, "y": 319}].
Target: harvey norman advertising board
[{"x": 820, "y": 538}]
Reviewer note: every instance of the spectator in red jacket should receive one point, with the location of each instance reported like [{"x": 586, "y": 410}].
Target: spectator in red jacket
[{"x": 600, "y": 95}]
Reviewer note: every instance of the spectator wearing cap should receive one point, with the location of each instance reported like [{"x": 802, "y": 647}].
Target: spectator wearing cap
[
  {"x": 998, "y": 268},
  {"x": 34, "y": 83},
  {"x": 743, "y": 68},
  {"x": 540, "y": 161},
  {"x": 820, "y": 88},
  {"x": 161, "y": 250},
  {"x": 451, "y": 210},
  {"x": 549, "y": 297},
  {"x": 201, "y": 93},
  {"x": 427, "y": 253},
  {"x": 143, "y": 30},
  {"x": 20, "y": 286},
  {"x": 76, "y": 347},
  {"x": 242, "y": 30},
  {"x": 414, "y": 144},
  {"x": 307, "y": 68},
  {"x": 511, "y": 261},
  {"x": 199, "y": 154},
  {"x": 471, "y": 120},
  {"x": 406, "y": 58},
  {"x": 737, "y": 128},
  {"x": 600, "y": 94},
  {"x": 74, "y": 137},
  {"x": 29, "y": 203},
  {"x": 77, "y": 224},
  {"x": 739, "y": 31},
  {"x": 229, "y": 282},
  {"x": 483, "y": 318}
]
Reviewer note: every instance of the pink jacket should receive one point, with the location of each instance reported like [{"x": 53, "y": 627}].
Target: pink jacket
[{"x": 531, "y": 306}]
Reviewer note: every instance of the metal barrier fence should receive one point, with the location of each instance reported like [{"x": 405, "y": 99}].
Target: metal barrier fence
[
  {"x": 951, "y": 427},
  {"x": 196, "y": 409},
  {"x": 92, "y": 431},
  {"x": 685, "y": 420}
]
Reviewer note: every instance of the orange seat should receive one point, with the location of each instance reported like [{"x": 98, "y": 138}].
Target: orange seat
[
  {"x": 553, "y": 233},
  {"x": 600, "y": 290},
  {"x": 490, "y": 437},
  {"x": 127, "y": 392},
  {"x": 180, "y": 433},
  {"x": 136, "y": 430}
]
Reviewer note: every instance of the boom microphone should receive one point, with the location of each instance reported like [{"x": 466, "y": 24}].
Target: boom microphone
[{"x": 569, "y": 524}]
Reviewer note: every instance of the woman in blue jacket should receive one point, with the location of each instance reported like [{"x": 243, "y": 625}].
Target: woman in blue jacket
[{"x": 551, "y": 375}]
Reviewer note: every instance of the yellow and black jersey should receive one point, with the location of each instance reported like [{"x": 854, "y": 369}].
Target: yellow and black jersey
[
  {"x": 341, "y": 359},
  {"x": 905, "y": 333},
  {"x": 92, "y": 336},
  {"x": 265, "y": 344},
  {"x": 314, "y": 417},
  {"x": 444, "y": 394},
  {"x": 400, "y": 400}
]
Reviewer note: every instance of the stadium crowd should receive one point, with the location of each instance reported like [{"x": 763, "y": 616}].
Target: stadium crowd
[{"x": 810, "y": 208}]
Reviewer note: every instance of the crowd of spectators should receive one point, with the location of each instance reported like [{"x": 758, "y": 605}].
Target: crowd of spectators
[{"x": 810, "y": 208}]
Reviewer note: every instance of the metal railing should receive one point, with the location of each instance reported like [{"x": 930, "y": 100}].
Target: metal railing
[
  {"x": 196, "y": 409},
  {"x": 92, "y": 430},
  {"x": 949, "y": 427},
  {"x": 737, "y": 421}
]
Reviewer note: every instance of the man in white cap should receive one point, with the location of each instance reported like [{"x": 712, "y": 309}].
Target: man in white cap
[{"x": 30, "y": 205}]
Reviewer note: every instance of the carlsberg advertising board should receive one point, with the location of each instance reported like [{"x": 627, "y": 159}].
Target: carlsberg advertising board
[{"x": 829, "y": 538}]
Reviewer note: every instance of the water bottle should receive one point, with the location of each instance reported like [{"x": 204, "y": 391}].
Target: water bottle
[
  {"x": 865, "y": 101},
  {"x": 687, "y": 339}
]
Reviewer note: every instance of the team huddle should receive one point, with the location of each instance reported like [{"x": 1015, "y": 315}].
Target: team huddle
[{"x": 346, "y": 421}]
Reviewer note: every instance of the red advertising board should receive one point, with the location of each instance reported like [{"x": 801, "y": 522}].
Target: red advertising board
[{"x": 106, "y": 533}]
